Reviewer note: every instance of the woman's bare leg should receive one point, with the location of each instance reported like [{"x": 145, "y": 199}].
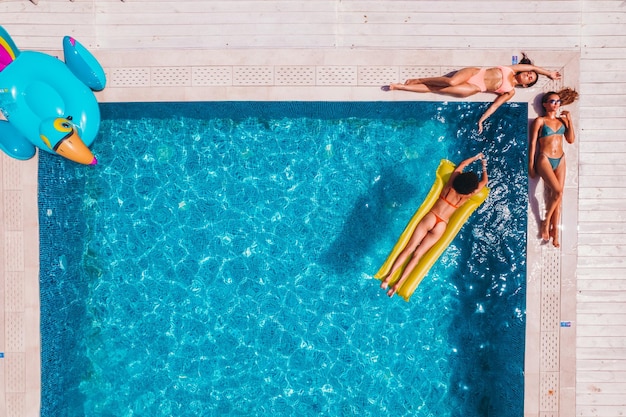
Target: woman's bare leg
[
  {"x": 422, "y": 228},
  {"x": 555, "y": 220},
  {"x": 428, "y": 242},
  {"x": 462, "y": 90},
  {"x": 459, "y": 77},
  {"x": 554, "y": 226},
  {"x": 555, "y": 181}
]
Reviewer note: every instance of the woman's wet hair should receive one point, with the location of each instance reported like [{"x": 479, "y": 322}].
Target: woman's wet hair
[
  {"x": 465, "y": 183},
  {"x": 527, "y": 61}
]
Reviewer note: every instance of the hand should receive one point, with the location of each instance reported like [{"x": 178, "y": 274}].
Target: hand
[
  {"x": 480, "y": 126},
  {"x": 480, "y": 156},
  {"x": 554, "y": 75},
  {"x": 564, "y": 117}
]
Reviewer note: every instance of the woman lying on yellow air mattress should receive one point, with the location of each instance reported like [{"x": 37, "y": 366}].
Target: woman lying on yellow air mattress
[{"x": 432, "y": 225}]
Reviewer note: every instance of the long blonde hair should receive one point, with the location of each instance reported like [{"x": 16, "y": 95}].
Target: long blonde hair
[{"x": 567, "y": 96}]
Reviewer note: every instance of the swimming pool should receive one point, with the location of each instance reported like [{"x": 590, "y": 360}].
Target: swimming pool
[{"x": 218, "y": 261}]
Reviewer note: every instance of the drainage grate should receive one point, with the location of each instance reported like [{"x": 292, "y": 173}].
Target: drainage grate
[
  {"x": 304, "y": 75},
  {"x": 252, "y": 76},
  {"x": 205, "y": 76},
  {"x": 337, "y": 75}
]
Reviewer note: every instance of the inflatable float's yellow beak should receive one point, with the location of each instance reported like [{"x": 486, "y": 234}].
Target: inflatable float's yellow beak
[
  {"x": 60, "y": 135},
  {"x": 73, "y": 148}
]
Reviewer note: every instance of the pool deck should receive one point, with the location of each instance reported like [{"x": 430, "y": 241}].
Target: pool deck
[
  {"x": 330, "y": 75},
  {"x": 20, "y": 387}
]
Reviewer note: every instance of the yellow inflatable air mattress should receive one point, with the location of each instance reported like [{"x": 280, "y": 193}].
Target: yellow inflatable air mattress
[{"x": 455, "y": 223}]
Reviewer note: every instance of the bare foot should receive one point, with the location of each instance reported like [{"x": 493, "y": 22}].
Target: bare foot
[
  {"x": 392, "y": 291},
  {"x": 385, "y": 283},
  {"x": 554, "y": 233}
]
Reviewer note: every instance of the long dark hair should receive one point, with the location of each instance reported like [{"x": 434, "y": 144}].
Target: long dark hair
[
  {"x": 527, "y": 61},
  {"x": 465, "y": 183}
]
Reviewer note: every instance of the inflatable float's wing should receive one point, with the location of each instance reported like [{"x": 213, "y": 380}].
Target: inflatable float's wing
[
  {"x": 13, "y": 143},
  {"x": 455, "y": 223},
  {"x": 8, "y": 50},
  {"x": 83, "y": 64}
]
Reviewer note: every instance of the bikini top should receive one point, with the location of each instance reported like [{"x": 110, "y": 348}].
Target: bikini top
[
  {"x": 506, "y": 85},
  {"x": 447, "y": 201},
  {"x": 547, "y": 130}
]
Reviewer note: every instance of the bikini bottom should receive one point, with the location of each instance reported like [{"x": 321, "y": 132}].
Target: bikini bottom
[
  {"x": 478, "y": 80},
  {"x": 438, "y": 219},
  {"x": 554, "y": 162}
]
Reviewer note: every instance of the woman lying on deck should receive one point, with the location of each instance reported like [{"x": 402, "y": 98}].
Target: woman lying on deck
[
  {"x": 473, "y": 80},
  {"x": 546, "y": 156}
]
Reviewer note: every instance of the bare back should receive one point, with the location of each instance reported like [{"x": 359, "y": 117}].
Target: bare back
[{"x": 447, "y": 203}]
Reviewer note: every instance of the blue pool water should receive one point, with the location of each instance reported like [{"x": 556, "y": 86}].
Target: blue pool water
[{"x": 219, "y": 259}]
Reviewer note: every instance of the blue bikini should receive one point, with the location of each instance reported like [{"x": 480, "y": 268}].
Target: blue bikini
[{"x": 547, "y": 131}]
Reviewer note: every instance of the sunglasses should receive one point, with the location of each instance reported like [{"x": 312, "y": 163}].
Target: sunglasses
[{"x": 554, "y": 101}]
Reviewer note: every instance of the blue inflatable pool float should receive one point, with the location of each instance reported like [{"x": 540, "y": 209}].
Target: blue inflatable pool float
[{"x": 49, "y": 104}]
